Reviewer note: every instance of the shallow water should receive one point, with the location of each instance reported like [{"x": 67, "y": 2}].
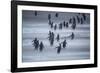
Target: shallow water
[{"x": 37, "y": 26}]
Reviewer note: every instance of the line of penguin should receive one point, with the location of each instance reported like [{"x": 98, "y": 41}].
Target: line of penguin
[{"x": 38, "y": 45}]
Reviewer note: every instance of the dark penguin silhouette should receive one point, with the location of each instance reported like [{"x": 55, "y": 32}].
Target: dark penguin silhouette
[
  {"x": 81, "y": 21},
  {"x": 78, "y": 19},
  {"x": 35, "y": 13},
  {"x": 36, "y": 43},
  {"x": 58, "y": 37},
  {"x": 70, "y": 20},
  {"x": 51, "y": 24},
  {"x": 64, "y": 43},
  {"x": 52, "y": 39},
  {"x": 49, "y": 35},
  {"x": 74, "y": 23},
  {"x": 56, "y": 15},
  {"x": 41, "y": 47},
  {"x": 72, "y": 36},
  {"x": 49, "y": 16},
  {"x": 73, "y": 26},
  {"x": 59, "y": 48},
  {"x": 66, "y": 25},
  {"x": 84, "y": 16},
  {"x": 55, "y": 27}
]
